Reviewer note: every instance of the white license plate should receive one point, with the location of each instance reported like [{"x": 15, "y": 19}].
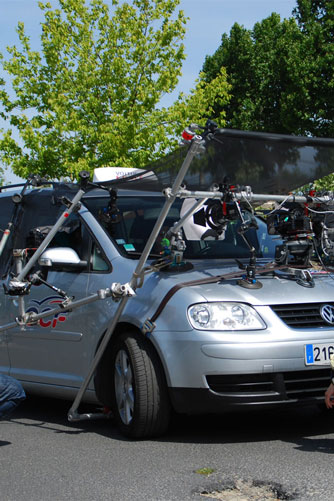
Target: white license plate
[{"x": 318, "y": 354}]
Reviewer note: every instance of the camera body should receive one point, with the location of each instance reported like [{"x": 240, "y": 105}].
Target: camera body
[{"x": 290, "y": 221}]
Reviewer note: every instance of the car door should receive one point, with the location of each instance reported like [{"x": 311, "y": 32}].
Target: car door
[
  {"x": 50, "y": 351},
  {"x": 57, "y": 350}
]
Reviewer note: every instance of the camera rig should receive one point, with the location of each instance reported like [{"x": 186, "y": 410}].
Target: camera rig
[
  {"x": 304, "y": 223},
  {"x": 306, "y": 229}
]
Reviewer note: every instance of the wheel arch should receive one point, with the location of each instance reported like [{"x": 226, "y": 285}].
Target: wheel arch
[{"x": 102, "y": 379}]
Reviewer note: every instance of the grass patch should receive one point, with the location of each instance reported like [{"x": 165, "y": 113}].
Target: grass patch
[{"x": 205, "y": 471}]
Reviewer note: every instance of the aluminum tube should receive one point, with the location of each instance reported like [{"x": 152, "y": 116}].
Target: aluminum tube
[
  {"x": 54, "y": 311},
  {"x": 253, "y": 197},
  {"x": 165, "y": 209},
  {"x": 4, "y": 238},
  {"x": 186, "y": 216},
  {"x": 267, "y": 136},
  {"x": 7, "y": 327},
  {"x": 73, "y": 415}
]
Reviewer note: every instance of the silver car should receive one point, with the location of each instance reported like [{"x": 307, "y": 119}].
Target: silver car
[{"x": 213, "y": 344}]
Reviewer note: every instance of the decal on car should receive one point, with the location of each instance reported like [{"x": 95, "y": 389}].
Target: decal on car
[{"x": 47, "y": 304}]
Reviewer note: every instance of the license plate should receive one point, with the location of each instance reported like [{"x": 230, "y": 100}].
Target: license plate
[{"x": 318, "y": 354}]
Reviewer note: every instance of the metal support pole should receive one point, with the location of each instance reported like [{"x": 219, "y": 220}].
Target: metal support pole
[
  {"x": 170, "y": 199},
  {"x": 252, "y": 197},
  {"x": 27, "y": 318},
  {"x": 177, "y": 226},
  {"x": 5, "y": 237},
  {"x": 73, "y": 414},
  {"x": 18, "y": 255}
]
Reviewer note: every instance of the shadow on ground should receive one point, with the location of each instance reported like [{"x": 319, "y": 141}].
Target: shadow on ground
[{"x": 294, "y": 425}]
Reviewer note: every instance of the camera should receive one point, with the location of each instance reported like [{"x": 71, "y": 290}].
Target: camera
[{"x": 289, "y": 221}]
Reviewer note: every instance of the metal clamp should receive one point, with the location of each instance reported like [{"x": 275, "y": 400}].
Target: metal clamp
[
  {"x": 121, "y": 290},
  {"x": 168, "y": 193},
  {"x": 26, "y": 319},
  {"x": 304, "y": 278},
  {"x": 17, "y": 288},
  {"x": 148, "y": 327}
]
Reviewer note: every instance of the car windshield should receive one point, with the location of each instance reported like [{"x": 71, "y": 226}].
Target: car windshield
[{"x": 131, "y": 227}]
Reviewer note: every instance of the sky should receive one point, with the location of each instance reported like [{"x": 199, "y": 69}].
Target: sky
[{"x": 208, "y": 20}]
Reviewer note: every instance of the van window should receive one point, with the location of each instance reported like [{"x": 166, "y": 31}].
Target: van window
[
  {"x": 137, "y": 216},
  {"x": 98, "y": 261},
  {"x": 34, "y": 218}
]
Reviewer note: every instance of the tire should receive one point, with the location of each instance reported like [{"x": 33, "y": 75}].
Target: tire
[{"x": 139, "y": 395}]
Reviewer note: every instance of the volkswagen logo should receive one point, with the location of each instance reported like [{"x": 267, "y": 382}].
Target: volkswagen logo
[{"x": 327, "y": 313}]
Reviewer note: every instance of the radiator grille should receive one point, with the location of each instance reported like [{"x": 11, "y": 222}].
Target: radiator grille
[{"x": 299, "y": 316}]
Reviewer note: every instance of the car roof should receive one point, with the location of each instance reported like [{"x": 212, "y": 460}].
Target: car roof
[{"x": 62, "y": 189}]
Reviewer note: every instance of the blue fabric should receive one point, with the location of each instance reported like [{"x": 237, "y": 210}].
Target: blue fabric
[{"x": 11, "y": 394}]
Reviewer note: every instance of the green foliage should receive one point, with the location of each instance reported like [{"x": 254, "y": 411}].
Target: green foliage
[
  {"x": 268, "y": 88},
  {"x": 316, "y": 22},
  {"x": 89, "y": 98},
  {"x": 281, "y": 72},
  {"x": 206, "y": 100}
]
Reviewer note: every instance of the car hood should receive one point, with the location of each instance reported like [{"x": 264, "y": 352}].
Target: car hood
[{"x": 278, "y": 289}]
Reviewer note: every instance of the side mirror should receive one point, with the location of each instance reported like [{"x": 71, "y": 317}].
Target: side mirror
[{"x": 61, "y": 258}]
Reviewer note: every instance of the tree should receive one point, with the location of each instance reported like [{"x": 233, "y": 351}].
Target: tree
[
  {"x": 207, "y": 100},
  {"x": 315, "y": 19},
  {"x": 281, "y": 72},
  {"x": 89, "y": 98},
  {"x": 268, "y": 74}
]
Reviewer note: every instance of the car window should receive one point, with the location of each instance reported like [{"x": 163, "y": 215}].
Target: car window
[
  {"x": 32, "y": 221},
  {"x": 98, "y": 261},
  {"x": 75, "y": 234},
  {"x": 134, "y": 223},
  {"x": 137, "y": 216}
]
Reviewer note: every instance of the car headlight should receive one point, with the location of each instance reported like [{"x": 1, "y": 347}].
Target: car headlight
[{"x": 224, "y": 317}]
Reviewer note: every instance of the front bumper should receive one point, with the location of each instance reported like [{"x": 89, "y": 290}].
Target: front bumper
[{"x": 235, "y": 391}]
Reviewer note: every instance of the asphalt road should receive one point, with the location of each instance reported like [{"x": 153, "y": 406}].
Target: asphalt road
[{"x": 44, "y": 457}]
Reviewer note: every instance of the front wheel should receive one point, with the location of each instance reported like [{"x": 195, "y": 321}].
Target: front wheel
[{"x": 140, "y": 402}]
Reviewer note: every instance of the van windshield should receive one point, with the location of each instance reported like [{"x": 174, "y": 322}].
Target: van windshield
[{"x": 137, "y": 216}]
